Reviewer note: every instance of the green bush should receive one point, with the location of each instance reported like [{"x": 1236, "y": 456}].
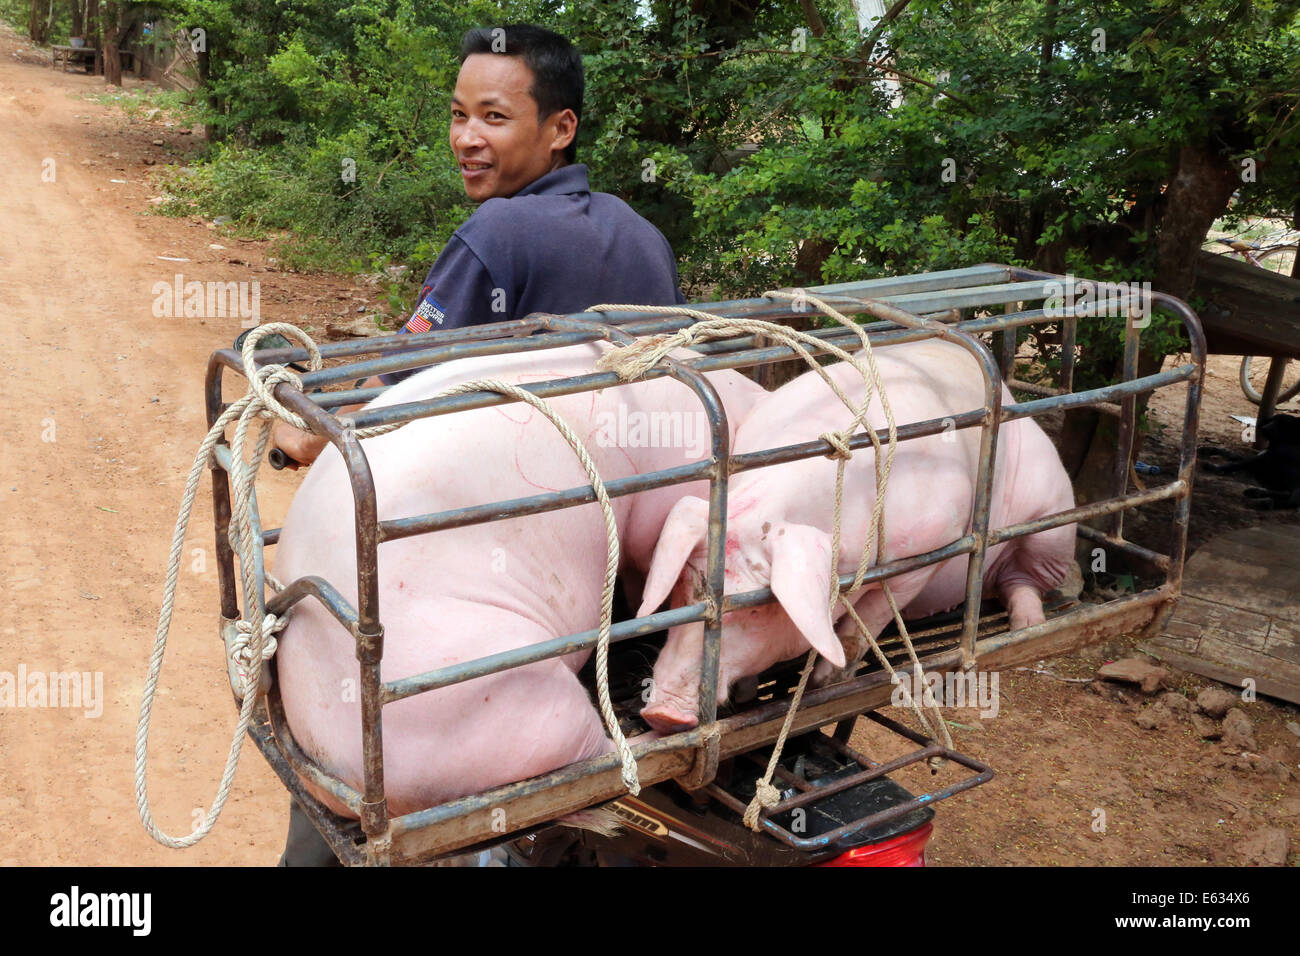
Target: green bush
[{"x": 770, "y": 155}]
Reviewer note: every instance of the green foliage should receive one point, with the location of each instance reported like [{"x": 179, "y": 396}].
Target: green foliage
[
  {"x": 329, "y": 121},
  {"x": 16, "y": 12},
  {"x": 766, "y": 154},
  {"x": 145, "y": 103}
]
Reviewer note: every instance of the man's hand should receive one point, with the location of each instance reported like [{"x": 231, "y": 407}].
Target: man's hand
[{"x": 304, "y": 447}]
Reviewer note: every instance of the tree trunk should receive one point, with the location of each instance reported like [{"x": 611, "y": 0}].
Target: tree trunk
[
  {"x": 37, "y": 22},
  {"x": 1090, "y": 442},
  {"x": 812, "y": 254},
  {"x": 112, "y": 36},
  {"x": 1048, "y": 52},
  {"x": 78, "y": 19},
  {"x": 1028, "y": 247},
  {"x": 92, "y": 23},
  {"x": 816, "y": 25},
  {"x": 1196, "y": 196},
  {"x": 204, "y": 63}
]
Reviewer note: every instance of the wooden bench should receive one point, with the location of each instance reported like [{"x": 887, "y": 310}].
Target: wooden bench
[{"x": 67, "y": 54}]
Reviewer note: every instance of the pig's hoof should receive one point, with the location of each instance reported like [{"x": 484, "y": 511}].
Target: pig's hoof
[
  {"x": 824, "y": 672},
  {"x": 668, "y": 719},
  {"x": 1026, "y": 620}
]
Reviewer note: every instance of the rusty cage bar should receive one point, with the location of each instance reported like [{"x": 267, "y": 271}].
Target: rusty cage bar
[{"x": 906, "y": 309}]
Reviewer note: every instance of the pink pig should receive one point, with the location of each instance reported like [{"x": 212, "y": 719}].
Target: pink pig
[
  {"x": 465, "y": 593},
  {"x": 779, "y": 522}
]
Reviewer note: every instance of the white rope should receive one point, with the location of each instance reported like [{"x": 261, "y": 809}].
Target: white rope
[
  {"x": 251, "y": 405},
  {"x": 255, "y": 642},
  {"x": 241, "y": 651}
]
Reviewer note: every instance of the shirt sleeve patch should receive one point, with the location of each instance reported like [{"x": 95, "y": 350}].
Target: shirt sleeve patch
[{"x": 429, "y": 313}]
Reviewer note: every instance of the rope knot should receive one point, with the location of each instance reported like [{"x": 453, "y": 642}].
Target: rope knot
[
  {"x": 765, "y": 795},
  {"x": 839, "y": 443},
  {"x": 263, "y": 384},
  {"x": 241, "y": 648},
  {"x": 262, "y": 381},
  {"x": 634, "y": 360},
  {"x": 710, "y": 605}
]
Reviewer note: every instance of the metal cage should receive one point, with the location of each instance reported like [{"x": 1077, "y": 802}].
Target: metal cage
[{"x": 915, "y": 307}]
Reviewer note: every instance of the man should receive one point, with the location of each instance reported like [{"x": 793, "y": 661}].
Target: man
[{"x": 541, "y": 241}]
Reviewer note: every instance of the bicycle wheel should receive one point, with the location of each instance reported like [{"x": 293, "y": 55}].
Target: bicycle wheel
[
  {"x": 1254, "y": 371},
  {"x": 1279, "y": 260}
]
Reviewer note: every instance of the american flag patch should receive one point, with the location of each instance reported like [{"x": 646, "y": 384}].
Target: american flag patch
[{"x": 429, "y": 313}]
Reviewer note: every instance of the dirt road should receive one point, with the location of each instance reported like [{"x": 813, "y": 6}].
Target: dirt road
[{"x": 102, "y": 413}]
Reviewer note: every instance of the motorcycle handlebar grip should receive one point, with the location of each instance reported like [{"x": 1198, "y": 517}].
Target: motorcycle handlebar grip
[{"x": 279, "y": 460}]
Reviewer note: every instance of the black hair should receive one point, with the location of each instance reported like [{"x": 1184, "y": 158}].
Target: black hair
[{"x": 555, "y": 62}]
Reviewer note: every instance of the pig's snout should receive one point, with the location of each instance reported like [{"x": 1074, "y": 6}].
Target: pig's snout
[
  {"x": 671, "y": 710},
  {"x": 668, "y": 719},
  {"x": 674, "y": 694}
]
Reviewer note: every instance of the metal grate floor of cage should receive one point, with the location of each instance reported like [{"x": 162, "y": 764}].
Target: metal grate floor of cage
[{"x": 632, "y": 662}]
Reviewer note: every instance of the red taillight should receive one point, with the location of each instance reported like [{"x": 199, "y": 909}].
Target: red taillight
[{"x": 905, "y": 850}]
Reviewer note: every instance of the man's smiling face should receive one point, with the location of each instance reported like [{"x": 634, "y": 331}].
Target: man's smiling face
[{"x": 498, "y": 142}]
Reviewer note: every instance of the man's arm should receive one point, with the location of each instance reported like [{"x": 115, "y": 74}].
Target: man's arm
[
  {"x": 458, "y": 291},
  {"x": 304, "y": 447}
]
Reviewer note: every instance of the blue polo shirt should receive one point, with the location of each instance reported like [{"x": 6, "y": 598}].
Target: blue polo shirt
[{"x": 554, "y": 246}]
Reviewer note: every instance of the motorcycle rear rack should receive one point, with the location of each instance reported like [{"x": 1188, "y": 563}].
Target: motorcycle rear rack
[{"x": 810, "y": 792}]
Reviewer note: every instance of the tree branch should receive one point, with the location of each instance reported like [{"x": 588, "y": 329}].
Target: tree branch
[
  {"x": 814, "y": 19},
  {"x": 869, "y": 44},
  {"x": 874, "y": 64}
]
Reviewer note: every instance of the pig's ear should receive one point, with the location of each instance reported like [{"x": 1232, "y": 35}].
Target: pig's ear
[
  {"x": 684, "y": 530},
  {"x": 801, "y": 581}
]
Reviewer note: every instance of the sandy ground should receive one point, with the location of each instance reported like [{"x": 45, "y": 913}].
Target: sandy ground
[{"x": 103, "y": 409}]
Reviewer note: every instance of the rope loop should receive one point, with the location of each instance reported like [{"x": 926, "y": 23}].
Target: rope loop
[{"x": 262, "y": 381}]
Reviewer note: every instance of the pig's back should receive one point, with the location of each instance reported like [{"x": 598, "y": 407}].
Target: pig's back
[
  {"x": 441, "y": 463},
  {"x": 921, "y": 381}
]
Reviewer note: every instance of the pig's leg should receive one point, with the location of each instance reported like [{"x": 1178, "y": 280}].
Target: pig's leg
[
  {"x": 1024, "y": 602},
  {"x": 1035, "y": 565}
]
